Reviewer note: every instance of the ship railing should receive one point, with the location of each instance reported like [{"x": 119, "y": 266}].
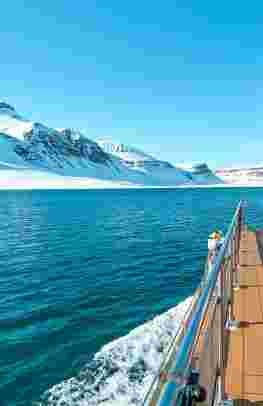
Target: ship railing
[{"x": 195, "y": 362}]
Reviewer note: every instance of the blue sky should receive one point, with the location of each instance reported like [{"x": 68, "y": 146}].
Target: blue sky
[{"x": 180, "y": 79}]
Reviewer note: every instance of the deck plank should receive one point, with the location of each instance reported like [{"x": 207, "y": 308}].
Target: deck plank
[
  {"x": 244, "y": 370},
  {"x": 235, "y": 364}
]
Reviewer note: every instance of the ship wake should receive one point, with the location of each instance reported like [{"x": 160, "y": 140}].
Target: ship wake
[{"x": 122, "y": 371}]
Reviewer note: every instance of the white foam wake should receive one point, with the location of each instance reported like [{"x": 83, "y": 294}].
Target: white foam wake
[{"x": 122, "y": 370}]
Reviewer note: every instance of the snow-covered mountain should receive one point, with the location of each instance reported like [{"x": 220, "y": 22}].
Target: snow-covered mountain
[
  {"x": 140, "y": 162},
  {"x": 32, "y": 151},
  {"x": 242, "y": 176},
  {"x": 201, "y": 173}
]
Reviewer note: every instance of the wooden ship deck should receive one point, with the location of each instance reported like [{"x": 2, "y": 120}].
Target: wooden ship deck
[{"x": 244, "y": 367}]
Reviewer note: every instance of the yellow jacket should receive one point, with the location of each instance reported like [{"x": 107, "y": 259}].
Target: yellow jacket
[{"x": 215, "y": 236}]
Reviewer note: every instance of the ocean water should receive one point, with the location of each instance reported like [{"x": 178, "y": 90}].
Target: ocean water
[{"x": 93, "y": 284}]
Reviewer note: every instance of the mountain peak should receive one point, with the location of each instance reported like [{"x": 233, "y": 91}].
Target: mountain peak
[
  {"x": 7, "y": 109},
  {"x": 4, "y": 105}
]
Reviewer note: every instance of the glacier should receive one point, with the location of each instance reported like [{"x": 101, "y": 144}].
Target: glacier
[{"x": 33, "y": 155}]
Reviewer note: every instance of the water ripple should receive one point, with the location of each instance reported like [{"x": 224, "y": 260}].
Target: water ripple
[{"x": 79, "y": 269}]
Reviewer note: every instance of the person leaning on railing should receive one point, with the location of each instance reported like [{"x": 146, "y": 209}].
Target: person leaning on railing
[{"x": 215, "y": 240}]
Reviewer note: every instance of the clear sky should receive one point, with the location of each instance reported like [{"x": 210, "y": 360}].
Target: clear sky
[{"x": 180, "y": 79}]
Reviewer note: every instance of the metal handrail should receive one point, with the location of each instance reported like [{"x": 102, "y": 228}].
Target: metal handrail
[
  {"x": 173, "y": 345},
  {"x": 181, "y": 366}
]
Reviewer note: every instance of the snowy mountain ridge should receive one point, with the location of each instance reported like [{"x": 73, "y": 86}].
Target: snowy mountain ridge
[
  {"x": 29, "y": 147},
  {"x": 242, "y": 175}
]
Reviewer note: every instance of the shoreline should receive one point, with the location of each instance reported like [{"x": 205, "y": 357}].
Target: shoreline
[
  {"x": 104, "y": 185},
  {"x": 11, "y": 179}
]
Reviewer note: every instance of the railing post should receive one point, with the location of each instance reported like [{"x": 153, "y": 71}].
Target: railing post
[
  {"x": 222, "y": 334},
  {"x": 240, "y": 218},
  {"x": 237, "y": 239},
  {"x": 236, "y": 247},
  {"x": 232, "y": 271}
]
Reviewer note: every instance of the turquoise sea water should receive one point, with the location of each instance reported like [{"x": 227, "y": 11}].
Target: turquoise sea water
[{"x": 79, "y": 269}]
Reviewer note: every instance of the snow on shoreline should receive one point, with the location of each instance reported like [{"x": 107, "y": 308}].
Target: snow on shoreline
[
  {"x": 122, "y": 371},
  {"x": 11, "y": 179}
]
